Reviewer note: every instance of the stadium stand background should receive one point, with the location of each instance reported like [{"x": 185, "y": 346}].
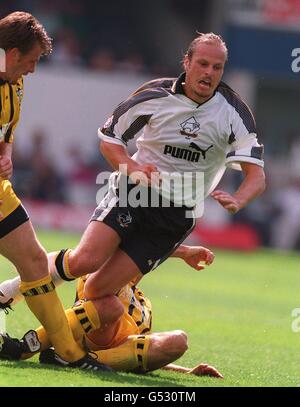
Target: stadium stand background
[{"x": 104, "y": 50}]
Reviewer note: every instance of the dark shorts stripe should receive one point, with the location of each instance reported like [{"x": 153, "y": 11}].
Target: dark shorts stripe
[{"x": 12, "y": 221}]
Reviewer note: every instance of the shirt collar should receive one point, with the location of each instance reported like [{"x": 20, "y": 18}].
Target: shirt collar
[
  {"x": 177, "y": 86},
  {"x": 179, "y": 89}
]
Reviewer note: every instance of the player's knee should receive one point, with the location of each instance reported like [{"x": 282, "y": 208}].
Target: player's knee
[
  {"x": 180, "y": 341},
  {"x": 34, "y": 264},
  {"x": 176, "y": 344},
  {"x": 36, "y": 259},
  {"x": 91, "y": 291},
  {"x": 110, "y": 309},
  {"x": 79, "y": 265},
  {"x": 94, "y": 288},
  {"x": 82, "y": 263}
]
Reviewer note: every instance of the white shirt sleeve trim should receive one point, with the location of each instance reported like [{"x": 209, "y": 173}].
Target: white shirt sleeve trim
[
  {"x": 234, "y": 162},
  {"x": 112, "y": 140}
]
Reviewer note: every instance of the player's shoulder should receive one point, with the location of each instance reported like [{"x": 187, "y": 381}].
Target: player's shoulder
[
  {"x": 157, "y": 84},
  {"x": 156, "y": 88},
  {"x": 231, "y": 96},
  {"x": 150, "y": 91}
]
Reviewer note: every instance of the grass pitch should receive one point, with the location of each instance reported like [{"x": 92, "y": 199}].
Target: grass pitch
[{"x": 237, "y": 313}]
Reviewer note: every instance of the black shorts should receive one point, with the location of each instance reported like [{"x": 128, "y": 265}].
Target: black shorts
[
  {"x": 149, "y": 235},
  {"x": 13, "y": 220}
]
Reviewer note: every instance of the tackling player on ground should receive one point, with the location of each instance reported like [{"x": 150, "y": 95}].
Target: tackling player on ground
[{"x": 126, "y": 344}]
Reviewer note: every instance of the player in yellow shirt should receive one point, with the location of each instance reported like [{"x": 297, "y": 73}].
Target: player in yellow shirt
[{"x": 23, "y": 40}]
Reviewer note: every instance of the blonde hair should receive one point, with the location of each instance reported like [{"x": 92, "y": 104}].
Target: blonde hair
[{"x": 206, "y": 38}]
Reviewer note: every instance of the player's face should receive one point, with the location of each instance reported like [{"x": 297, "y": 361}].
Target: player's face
[
  {"x": 204, "y": 71},
  {"x": 22, "y": 64}
]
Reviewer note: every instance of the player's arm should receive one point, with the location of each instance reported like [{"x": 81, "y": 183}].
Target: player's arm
[
  {"x": 116, "y": 155},
  {"x": 201, "y": 370},
  {"x": 246, "y": 154},
  {"x": 6, "y": 167},
  {"x": 193, "y": 255},
  {"x": 252, "y": 186},
  {"x": 128, "y": 119}
]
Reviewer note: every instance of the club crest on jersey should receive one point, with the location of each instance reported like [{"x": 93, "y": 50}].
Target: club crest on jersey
[
  {"x": 124, "y": 219},
  {"x": 3, "y": 130},
  {"x": 189, "y": 127},
  {"x": 108, "y": 122}
]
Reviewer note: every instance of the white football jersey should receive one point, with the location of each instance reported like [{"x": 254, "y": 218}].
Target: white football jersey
[{"x": 180, "y": 136}]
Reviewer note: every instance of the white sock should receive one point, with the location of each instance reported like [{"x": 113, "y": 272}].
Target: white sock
[
  {"x": 56, "y": 278},
  {"x": 11, "y": 289}
]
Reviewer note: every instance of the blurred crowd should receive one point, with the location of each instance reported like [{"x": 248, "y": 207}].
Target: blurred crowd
[
  {"x": 276, "y": 214},
  {"x": 84, "y": 36},
  {"x": 39, "y": 176}
]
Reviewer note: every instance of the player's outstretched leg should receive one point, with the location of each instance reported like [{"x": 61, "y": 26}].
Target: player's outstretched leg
[{"x": 13, "y": 349}]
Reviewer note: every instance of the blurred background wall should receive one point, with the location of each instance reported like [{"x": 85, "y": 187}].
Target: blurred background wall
[{"x": 105, "y": 50}]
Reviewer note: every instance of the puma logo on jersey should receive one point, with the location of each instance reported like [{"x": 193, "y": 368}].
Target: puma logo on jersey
[
  {"x": 185, "y": 154},
  {"x": 203, "y": 152}
]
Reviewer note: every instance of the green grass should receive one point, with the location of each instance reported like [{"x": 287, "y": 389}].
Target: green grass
[{"x": 237, "y": 314}]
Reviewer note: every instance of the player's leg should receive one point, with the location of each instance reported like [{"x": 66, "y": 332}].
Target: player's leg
[
  {"x": 22, "y": 248},
  {"x": 100, "y": 240},
  {"x": 83, "y": 318},
  {"x": 144, "y": 353},
  {"x": 96, "y": 246},
  {"x": 149, "y": 244},
  {"x": 118, "y": 246},
  {"x": 98, "y": 243},
  {"x": 87, "y": 317},
  {"x": 165, "y": 348},
  {"x": 10, "y": 289},
  {"x": 115, "y": 274}
]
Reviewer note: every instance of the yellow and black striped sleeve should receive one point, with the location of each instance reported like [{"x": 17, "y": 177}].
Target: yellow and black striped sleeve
[{"x": 10, "y": 102}]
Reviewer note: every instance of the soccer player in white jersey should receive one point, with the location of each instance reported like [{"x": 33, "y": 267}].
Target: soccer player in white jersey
[{"x": 191, "y": 124}]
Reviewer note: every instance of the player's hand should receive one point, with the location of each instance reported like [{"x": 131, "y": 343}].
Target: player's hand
[
  {"x": 6, "y": 167},
  {"x": 228, "y": 201},
  {"x": 206, "y": 370},
  {"x": 193, "y": 255},
  {"x": 146, "y": 175}
]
